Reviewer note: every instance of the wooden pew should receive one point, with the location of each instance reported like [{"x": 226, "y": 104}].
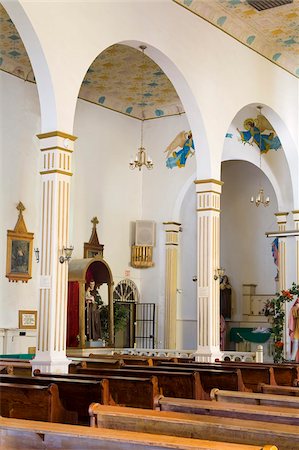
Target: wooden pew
[
  {"x": 278, "y": 390},
  {"x": 124, "y": 391},
  {"x": 254, "y": 398},
  {"x": 24, "y": 434},
  {"x": 207, "y": 379},
  {"x": 75, "y": 395},
  {"x": 252, "y": 374},
  {"x": 222, "y": 429},
  {"x": 267, "y": 413},
  {"x": 34, "y": 402},
  {"x": 126, "y": 359},
  {"x": 171, "y": 384},
  {"x": 107, "y": 363},
  {"x": 17, "y": 367}
]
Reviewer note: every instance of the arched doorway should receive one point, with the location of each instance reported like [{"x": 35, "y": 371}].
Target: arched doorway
[{"x": 125, "y": 299}]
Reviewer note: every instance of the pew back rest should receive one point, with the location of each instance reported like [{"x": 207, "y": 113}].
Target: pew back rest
[
  {"x": 33, "y": 402},
  {"x": 254, "y": 398}
]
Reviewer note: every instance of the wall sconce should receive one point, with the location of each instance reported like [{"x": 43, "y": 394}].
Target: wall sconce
[
  {"x": 36, "y": 252},
  {"x": 67, "y": 254},
  {"x": 219, "y": 273},
  {"x": 194, "y": 278}
]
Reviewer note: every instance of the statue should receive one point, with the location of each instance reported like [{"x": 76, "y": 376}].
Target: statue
[
  {"x": 294, "y": 330},
  {"x": 93, "y": 303},
  {"x": 225, "y": 297}
]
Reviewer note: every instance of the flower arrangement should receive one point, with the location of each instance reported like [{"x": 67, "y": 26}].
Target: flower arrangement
[{"x": 275, "y": 308}]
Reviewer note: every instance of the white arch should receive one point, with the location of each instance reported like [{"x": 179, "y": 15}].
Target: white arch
[
  {"x": 277, "y": 173},
  {"x": 39, "y": 64}
]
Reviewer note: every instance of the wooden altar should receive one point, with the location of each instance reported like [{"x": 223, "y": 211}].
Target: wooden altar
[{"x": 81, "y": 272}]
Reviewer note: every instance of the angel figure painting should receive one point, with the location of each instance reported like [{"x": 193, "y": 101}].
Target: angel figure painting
[
  {"x": 178, "y": 158},
  {"x": 260, "y": 132}
]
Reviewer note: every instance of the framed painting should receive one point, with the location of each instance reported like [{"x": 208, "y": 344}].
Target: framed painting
[
  {"x": 28, "y": 319},
  {"x": 19, "y": 251}
]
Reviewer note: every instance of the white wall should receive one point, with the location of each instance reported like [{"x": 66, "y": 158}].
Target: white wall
[
  {"x": 19, "y": 156},
  {"x": 245, "y": 250}
]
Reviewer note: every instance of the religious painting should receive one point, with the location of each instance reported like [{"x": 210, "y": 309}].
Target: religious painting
[
  {"x": 181, "y": 148},
  {"x": 28, "y": 319},
  {"x": 19, "y": 250},
  {"x": 260, "y": 132}
]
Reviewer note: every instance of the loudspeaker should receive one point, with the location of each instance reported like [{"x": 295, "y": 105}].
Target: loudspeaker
[{"x": 145, "y": 232}]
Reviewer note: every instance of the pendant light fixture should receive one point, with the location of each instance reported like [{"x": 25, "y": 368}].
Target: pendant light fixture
[
  {"x": 261, "y": 198},
  {"x": 141, "y": 158}
]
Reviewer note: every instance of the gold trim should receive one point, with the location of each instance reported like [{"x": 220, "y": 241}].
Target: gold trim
[
  {"x": 281, "y": 214},
  {"x": 209, "y": 192},
  {"x": 56, "y": 133},
  {"x": 172, "y": 223},
  {"x": 235, "y": 38},
  {"x": 295, "y": 212},
  {"x": 45, "y": 172},
  {"x": 56, "y": 148},
  {"x": 208, "y": 209},
  {"x": 209, "y": 180}
]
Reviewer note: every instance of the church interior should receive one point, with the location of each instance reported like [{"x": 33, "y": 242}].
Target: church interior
[{"x": 149, "y": 216}]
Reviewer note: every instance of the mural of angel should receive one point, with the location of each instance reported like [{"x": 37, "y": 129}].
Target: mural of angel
[
  {"x": 178, "y": 158},
  {"x": 260, "y": 132}
]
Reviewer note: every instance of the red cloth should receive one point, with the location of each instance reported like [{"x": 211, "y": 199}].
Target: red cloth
[{"x": 72, "y": 330}]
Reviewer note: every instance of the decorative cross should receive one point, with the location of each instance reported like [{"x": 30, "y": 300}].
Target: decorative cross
[
  {"x": 21, "y": 208},
  {"x": 94, "y": 221}
]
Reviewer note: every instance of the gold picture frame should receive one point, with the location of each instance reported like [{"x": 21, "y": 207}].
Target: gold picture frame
[
  {"x": 27, "y": 319},
  {"x": 19, "y": 250}
]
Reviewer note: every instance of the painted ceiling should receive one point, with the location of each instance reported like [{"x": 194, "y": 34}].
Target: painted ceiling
[{"x": 125, "y": 80}]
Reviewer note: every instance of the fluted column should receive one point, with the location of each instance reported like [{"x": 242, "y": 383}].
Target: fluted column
[
  {"x": 296, "y": 222},
  {"x": 281, "y": 219},
  {"x": 171, "y": 267},
  {"x": 208, "y": 260},
  {"x": 56, "y": 148}
]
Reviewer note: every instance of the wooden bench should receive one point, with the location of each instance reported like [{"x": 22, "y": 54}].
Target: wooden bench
[
  {"x": 17, "y": 367},
  {"x": 33, "y": 402},
  {"x": 251, "y": 373},
  {"x": 267, "y": 413},
  {"x": 75, "y": 395},
  {"x": 171, "y": 384},
  {"x": 124, "y": 391},
  {"x": 24, "y": 434},
  {"x": 222, "y": 429},
  {"x": 126, "y": 359},
  {"x": 254, "y": 398},
  {"x": 108, "y": 363},
  {"x": 279, "y": 390}
]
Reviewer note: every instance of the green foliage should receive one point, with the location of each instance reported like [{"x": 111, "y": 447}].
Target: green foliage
[
  {"x": 121, "y": 314},
  {"x": 275, "y": 308}
]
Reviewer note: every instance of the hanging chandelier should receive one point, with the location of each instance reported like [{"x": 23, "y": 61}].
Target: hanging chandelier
[
  {"x": 261, "y": 198},
  {"x": 141, "y": 158}
]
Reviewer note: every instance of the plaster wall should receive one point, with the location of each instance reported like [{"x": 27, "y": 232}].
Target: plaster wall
[
  {"x": 20, "y": 181},
  {"x": 202, "y": 64}
]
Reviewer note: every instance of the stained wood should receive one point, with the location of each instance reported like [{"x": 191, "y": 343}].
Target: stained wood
[
  {"x": 254, "y": 398},
  {"x": 222, "y": 429},
  {"x": 24, "y": 434}
]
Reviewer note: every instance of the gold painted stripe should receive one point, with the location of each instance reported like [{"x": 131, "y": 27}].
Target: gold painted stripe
[
  {"x": 172, "y": 223},
  {"x": 296, "y": 211},
  {"x": 45, "y": 149},
  {"x": 281, "y": 214},
  {"x": 57, "y": 133},
  {"x": 209, "y": 180},
  {"x": 45, "y": 172},
  {"x": 236, "y": 39},
  {"x": 208, "y": 209}
]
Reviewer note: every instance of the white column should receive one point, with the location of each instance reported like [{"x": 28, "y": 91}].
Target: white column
[
  {"x": 281, "y": 219},
  {"x": 296, "y": 222},
  {"x": 208, "y": 261},
  {"x": 172, "y": 234},
  {"x": 56, "y": 148}
]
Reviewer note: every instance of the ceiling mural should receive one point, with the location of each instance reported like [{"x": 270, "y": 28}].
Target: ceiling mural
[
  {"x": 260, "y": 132},
  {"x": 274, "y": 32},
  {"x": 177, "y": 158},
  {"x": 125, "y": 80}
]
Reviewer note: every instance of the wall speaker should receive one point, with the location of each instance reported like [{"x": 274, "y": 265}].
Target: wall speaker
[{"x": 145, "y": 232}]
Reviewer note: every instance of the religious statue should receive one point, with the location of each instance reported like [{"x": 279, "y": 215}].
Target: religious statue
[
  {"x": 294, "y": 330},
  {"x": 93, "y": 303},
  {"x": 225, "y": 297}
]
